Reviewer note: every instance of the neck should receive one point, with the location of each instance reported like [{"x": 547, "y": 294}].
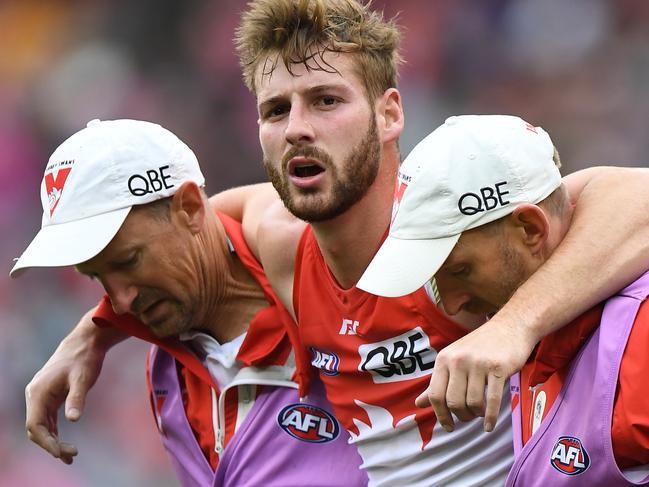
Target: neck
[
  {"x": 349, "y": 241},
  {"x": 230, "y": 296}
]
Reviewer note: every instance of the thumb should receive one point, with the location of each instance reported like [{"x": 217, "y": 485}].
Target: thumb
[{"x": 75, "y": 401}]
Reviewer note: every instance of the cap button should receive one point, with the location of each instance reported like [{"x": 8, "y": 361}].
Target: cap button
[
  {"x": 92, "y": 122},
  {"x": 451, "y": 120}
]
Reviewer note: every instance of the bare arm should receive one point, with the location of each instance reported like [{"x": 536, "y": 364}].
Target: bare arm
[
  {"x": 278, "y": 237},
  {"x": 246, "y": 204},
  {"x": 66, "y": 377},
  {"x": 606, "y": 247}
]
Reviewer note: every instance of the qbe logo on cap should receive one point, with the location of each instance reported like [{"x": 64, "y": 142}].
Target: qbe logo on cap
[
  {"x": 152, "y": 181},
  {"x": 488, "y": 198}
]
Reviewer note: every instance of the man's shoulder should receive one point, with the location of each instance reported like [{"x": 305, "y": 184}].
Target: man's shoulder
[{"x": 278, "y": 236}]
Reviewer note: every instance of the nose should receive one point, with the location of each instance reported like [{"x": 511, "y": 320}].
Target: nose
[
  {"x": 452, "y": 299},
  {"x": 121, "y": 293},
  {"x": 298, "y": 129},
  {"x": 454, "y": 303}
]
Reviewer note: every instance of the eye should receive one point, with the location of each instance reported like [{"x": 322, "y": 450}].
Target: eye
[
  {"x": 128, "y": 262},
  {"x": 275, "y": 111},
  {"x": 461, "y": 271},
  {"x": 328, "y": 101}
]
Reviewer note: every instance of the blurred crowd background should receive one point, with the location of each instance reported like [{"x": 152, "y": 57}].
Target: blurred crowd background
[{"x": 579, "y": 68}]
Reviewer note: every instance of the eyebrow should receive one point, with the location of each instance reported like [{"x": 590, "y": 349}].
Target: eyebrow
[
  {"x": 451, "y": 260},
  {"x": 313, "y": 90},
  {"x": 125, "y": 255}
]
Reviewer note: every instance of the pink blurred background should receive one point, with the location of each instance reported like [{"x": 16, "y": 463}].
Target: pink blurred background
[{"x": 580, "y": 69}]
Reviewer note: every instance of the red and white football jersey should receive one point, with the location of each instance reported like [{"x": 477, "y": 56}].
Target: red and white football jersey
[{"x": 375, "y": 356}]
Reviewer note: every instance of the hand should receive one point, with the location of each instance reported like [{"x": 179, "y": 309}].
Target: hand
[
  {"x": 66, "y": 377},
  {"x": 470, "y": 374}
]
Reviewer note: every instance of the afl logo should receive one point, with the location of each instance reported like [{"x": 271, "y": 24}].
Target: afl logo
[
  {"x": 569, "y": 456},
  {"x": 308, "y": 423},
  {"x": 327, "y": 362}
]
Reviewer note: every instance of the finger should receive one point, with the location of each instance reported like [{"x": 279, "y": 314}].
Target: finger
[
  {"x": 40, "y": 426},
  {"x": 68, "y": 452},
  {"x": 494, "y": 395},
  {"x": 40, "y": 435},
  {"x": 76, "y": 399},
  {"x": 437, "y": 397},
  {"x": 456, "y": 395},
  {"x": 422, "y": 400},
  {"x": 475, "y": 393}
]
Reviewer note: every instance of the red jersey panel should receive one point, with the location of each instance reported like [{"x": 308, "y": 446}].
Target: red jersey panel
[{"x": 375, "y": 356}]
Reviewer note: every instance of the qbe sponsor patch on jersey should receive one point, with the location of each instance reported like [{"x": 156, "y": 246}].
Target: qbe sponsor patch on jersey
[{"x": 403, "y": 357}]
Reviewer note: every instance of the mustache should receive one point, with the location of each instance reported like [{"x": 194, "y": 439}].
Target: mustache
[
  {"x": 144, "y": 299},
  {"x": 307, "y": 151},
  {"x": 479, "y": 307}
]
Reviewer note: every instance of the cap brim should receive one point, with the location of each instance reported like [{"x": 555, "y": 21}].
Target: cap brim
[
  {"x": 71, "y": 243},
  {"x": 401, "y": 267}
]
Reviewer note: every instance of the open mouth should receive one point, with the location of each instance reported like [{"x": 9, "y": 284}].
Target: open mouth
[{"x": 301, "y": 167}]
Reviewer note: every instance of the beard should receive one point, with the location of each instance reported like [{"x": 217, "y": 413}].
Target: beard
[
  {"x": 177, "y": 319},
  {"x": 350, "y": 181},
  {"x": 512, "y": 273}
]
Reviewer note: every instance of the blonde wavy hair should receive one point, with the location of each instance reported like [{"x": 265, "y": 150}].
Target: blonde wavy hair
[{"x": 303, "y": 31}]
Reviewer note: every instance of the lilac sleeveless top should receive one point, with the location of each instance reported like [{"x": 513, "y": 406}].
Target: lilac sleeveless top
[
  {"x": 573, "y": 446},
  {"x": 281, "y": 442}
]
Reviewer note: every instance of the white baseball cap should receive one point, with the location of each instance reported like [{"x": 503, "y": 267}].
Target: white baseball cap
[
  {"x": 94, "y": 178},
  {"x": 472, "y": 170}
]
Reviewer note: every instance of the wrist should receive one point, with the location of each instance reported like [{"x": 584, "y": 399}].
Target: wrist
[
  {"x": 99, "y": 339},
  {"x": 529, "y": 325}
]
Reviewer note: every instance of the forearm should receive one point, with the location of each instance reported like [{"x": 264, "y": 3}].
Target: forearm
[
  {"x": 606, "y": 247},
  {"x": 96, "y": 337},
  {"x": 236, "y": 202}
]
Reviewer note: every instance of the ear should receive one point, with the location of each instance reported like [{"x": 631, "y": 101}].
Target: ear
[
  {"x": 188, "y": 207},
  {"x": 389, "y": 115},
  {"x": 534, "y": 225}
]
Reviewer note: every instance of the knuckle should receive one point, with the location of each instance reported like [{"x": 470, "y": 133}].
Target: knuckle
[
  {"x": 474, "y": 403},
  {"x": 441, "y": 359},
  {"x": 485, "y": 363},
  {"x": 498, "y": 371},
  {"x": 436, "y": 399},
  {"x": 457, "y": 358},
  {"x": 493, "y": 397},
  {"x": 455, "y": 405}
]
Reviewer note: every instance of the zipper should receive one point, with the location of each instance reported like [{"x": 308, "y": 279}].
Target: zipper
[{"x": 277, "y": 376}]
